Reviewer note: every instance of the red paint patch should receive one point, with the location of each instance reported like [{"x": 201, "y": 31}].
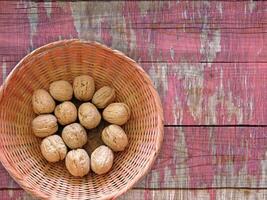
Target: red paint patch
[{"x": 14, "y": 35}]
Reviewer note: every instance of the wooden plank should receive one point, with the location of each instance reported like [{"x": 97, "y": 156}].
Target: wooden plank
[
  {"x": 146, "y": 31},
  {"x": 173, "y": 194},
  {"x": 218, "y": 194},
  {"x": 29, "y": 25},
  {"x": 208, "y": 157},
  {"x": 204, "y": 157},
  {"x": 18, "y": 194},
  {"x": 211, "y": 94}
]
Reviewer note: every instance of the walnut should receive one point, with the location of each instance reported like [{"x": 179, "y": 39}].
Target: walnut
[
  {"x": 44, "y": 125},
  {"x": 61, "y": 90},
  {"x": 78, "y": 162},
  {"x": 114, "y": 137},
  {"x": 53, "y": 148},
  {"x": 84, "y": 87},
  {"x": 42, "y": 102},
  {"x": 103, "y": 97},
  {"x": 117, "y": 113},
  {"x": 102, "y": 160},
  {"x": 74, "y": 136},
  {"x": 66, "y": 113},
  {"x": 88, "y": 115}
]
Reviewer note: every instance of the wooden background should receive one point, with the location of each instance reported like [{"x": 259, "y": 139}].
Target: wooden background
[{"x": 207, "y": 60}]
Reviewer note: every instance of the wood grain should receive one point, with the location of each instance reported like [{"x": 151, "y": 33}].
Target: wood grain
[
  {"x": 204, "y": 157},
  {"x": 173, "y": 194},
  {"x": 207, "y": 60},
  {"x": 216, "y": 94},
  {"x": 191, "y": 70}
]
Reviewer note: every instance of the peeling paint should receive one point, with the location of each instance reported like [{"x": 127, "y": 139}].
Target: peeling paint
[
  {"x": 33, "y": 19},
  {"x": 251, "y": 6},
  {"x": 220, "y": 8},
  {"x": 48, "y": 6},
  {"x": 210, "y": 47}
]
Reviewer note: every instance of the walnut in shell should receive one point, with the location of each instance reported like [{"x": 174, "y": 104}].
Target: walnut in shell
[
  {"x": 78, "y": 162},
  {"x": 114, "y": 137},
  {"x": 61, "y": 90},
  {"x": 42, "y": 102},
  {"x": 103, "y": 97},
  {"x": 84, "y": 87},
  {"x": 117, "y": 113},
  {"x": 102, "y": 160},
  {"x": 88, "y": 115},
  {"x": 74, "y": 136},
  {"x": 66, "y": 113},
  {"x": 53, "y": 148},
  {"x": 44, "y": 125}
]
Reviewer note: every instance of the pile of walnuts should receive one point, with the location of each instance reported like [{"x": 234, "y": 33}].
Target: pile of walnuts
[{"x": 77, "y": 122}]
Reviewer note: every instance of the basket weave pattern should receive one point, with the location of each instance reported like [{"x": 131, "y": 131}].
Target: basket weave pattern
[{"x": 20, "y": 152}]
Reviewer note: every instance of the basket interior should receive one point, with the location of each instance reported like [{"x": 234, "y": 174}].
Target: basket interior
[{"x": 20, "y": 151}]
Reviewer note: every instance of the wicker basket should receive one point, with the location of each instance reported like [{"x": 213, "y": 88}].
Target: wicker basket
[{"x": 20, "y": 152}]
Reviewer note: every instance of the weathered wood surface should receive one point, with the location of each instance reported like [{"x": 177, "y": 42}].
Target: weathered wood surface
[
  {"x": 203, "y": 157},
  {"x": 207, "y": 60},
  {"x": 186, "y": 47},
  {"x": 219, "y": 194}
]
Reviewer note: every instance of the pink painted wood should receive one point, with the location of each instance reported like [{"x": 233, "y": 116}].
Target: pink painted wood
[{"x": 208, "y": 63}]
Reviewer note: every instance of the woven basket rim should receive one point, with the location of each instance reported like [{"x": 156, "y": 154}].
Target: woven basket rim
[{"x": 12, "y": 171}]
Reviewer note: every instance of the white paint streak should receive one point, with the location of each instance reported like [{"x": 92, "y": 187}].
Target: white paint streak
[
  {"x": 219, "y": 8},
  {"x": 144, "y": 6},
  {"x": 212, "y": 103},
  {"x": 10, "y": 193},
  {"x": 193, "y": 75},
  {"x": 263, "y": 180},
  {"x": 251, "y": 6},
  {"x": 159, "y": 75},
  {"x": 233, "y": 110},
  {"x": 48, "y": 6},
  {"x": 185, "y": 14},
  {"x": 33, "y": 19},
  {"x": 210, "y": 47},
  {"x": 172, "y": 53},
  {"x": 181, "y": 158}
]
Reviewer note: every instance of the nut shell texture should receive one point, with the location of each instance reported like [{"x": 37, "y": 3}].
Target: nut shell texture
[
  {"x": 103, "y": 97},
  {"x": 88, "y": 115},
  {"x": 117, "y": 113},
  {"x": 61, "y": 90},
  {"x": 53, "y": 148},
  {"x": 66, "y": 113},
  {"x": 74, "y": 136},
  {"x": 83, "y": 87},
  {"x": 44, "y": 125},
  {"x": 42, "y": 102},
  {"x": 114, "y": 137},
  {"x": 78, "y": 162},
  {"x": 102, "y": 160}
]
